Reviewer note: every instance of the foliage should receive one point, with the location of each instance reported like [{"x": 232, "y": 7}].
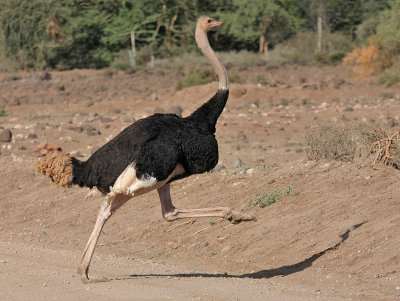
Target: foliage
[
  {"x": 382, "y": 52},
  {"x": 301, "y": 48},
  {"x": 198, "y": 77},
  {"x": 391, "y": 76},
  {"x": 41, "y": 34},
  {"x": 281, "y": 19},
  {"x": 388, "y": 30},
  {"x": 330, "y": 142},
  {"x": 266, "y": 198},
  {"x": 364, "y": 60}
]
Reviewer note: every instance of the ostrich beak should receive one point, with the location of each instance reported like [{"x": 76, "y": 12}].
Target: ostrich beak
[{"x": 215, "y": 23}]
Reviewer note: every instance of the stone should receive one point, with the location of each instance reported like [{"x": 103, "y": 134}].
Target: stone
[
  {"x": 238, "y": 91},
  {"x": 251, "y": 171},
  {"x": 177, "y": 110},
  {"x": 219, "y": 167},
  {"x": 158, "y": 110},
  {"x": 14, "y": 102},
  {"x": 153, "y": 97},
  {"x": 93, "y": 132},
  {"x": 5, "y": 135},
  {"x": 238, "y": 164},
  {"x": 32, "y": 136},
  {"x": 46, "y": 75},
  {"x": 106, "y": 119}
]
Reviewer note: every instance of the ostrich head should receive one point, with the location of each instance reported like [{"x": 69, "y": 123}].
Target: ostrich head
[{"x": 206, "y": 23}]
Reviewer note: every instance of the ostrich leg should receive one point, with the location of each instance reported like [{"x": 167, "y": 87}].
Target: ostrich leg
[
  {"x": 106, "y": 210},
  {"x": 170, "y": 213}
]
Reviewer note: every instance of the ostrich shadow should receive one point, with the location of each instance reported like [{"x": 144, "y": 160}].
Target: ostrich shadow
[{"x": 263, "y": 274}]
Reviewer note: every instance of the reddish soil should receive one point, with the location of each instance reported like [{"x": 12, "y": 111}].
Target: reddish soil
[{"x": 332, "y": 236}]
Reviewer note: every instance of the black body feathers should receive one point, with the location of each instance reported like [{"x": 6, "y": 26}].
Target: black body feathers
[{"x": 155, "y": 145}]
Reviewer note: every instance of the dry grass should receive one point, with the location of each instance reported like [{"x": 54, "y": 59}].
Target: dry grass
[
  {"x": 330, "y": 142},
  {"x": 382, "y": 143},
  {"x": 367, "y": 60},
  {"x": 377, "y": 142}
]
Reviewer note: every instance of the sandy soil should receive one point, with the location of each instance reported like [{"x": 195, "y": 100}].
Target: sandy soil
[{"x": 333, "y": 235}]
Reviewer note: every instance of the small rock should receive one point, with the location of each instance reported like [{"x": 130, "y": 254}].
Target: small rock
[
  {"x": 76, "y": 153},
  {"x": 93, "y": 132},
  {"x": 12, "y": 78},
  {"x": 219, "y": 167},
  {"x": 238, "y": 164},
  {"x": 5, "y": 135},
  {"x": 61, "y": 87},
  {"x": 251, "y": 171},
  {"x": 93, "y": 193},
  {"x": 158, "y": 110},
  {"x": 129, "y": 119},
  {"x": 204, "y": 244},
  {"x": 43, "y": 235},
  {"x": 238, "y": 91},
  {"x": 225, "y": 249},
  {"x": 153, "y": 97},
  {"x": 14, "y": 102},
  {"x": 129, "y": 71},
  {"x": 3, "y": 261},
  {"x": 32, "y": 136},
  {"x": 284, "y": 102},
  {"x": 78, "y": 129},
  {"x": 242, "y": 137},
  {"x": 106, "y": 119},
  {"x": 348, "y": 109},
  {"x": 177, "y": 110},
  {"x": 311, "y": 86},
  {"x": 45, "y": 75}
]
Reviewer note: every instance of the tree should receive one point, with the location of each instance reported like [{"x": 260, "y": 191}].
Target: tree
[{"x": 245, "y": 22}]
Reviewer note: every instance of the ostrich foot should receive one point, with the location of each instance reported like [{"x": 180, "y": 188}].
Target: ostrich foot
[
  {"x": 86, "y": 280},
  {"x": 236, "y": 217},
  {"x": 85, "y": 277}
]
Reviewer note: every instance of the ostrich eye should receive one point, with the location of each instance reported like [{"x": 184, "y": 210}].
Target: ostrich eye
[{"x": 209, "y": 21}]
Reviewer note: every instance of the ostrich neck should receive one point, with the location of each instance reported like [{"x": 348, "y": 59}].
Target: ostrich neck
[{"x": 205, "y": 48}]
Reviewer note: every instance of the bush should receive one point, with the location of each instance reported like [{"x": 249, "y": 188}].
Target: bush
[
  {"x": 365, "y": 30},
  {"x": 367, "y": 60},
  {"x": 198, "y": 77},
  {"x": 121, "y": 61},
  {"x": 301, "y": 49},
  {"x": 330, "y": 142},
  {"x": 391, "y": 76}
]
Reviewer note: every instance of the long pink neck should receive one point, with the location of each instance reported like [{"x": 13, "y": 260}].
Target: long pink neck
[{"x": 205, "y": 48}]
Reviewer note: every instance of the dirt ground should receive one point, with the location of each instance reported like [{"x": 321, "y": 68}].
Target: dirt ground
[{"x": 333, "y": 235}]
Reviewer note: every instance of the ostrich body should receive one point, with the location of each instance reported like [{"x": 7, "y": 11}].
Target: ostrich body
[{"x": 150, "y": 154}]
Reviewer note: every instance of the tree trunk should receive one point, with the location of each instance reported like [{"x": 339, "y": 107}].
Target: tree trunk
[
  {"x": 319, "y": 33},
  {"x": 133, "y": 62}
]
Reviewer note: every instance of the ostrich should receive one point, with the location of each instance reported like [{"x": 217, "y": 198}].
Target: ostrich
[{"x": 149, "y": 155}]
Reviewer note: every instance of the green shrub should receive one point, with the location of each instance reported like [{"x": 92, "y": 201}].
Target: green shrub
[
  {"x": 391, "y": 76},
  {"x": 301, "y": 49},
  {"x": 266, "y": 198},
  {"x": 195, "y": 78}
]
